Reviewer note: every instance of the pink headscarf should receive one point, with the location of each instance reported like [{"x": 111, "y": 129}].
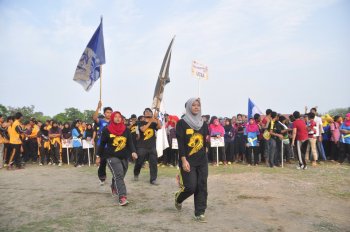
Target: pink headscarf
[{"x": 252, "y": 127}]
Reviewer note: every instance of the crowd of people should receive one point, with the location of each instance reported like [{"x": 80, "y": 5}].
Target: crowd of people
[
  {"x": 257, "y": 140},
  {"x": 115, "y": 141}
]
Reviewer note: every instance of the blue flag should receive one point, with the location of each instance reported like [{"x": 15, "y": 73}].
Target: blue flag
[
  {"x": 252, "y": 109},
  {"x": 89, "y": 67}
]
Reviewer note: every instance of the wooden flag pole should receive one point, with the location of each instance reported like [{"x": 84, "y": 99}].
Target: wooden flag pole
[{"x": 100, "y": 82}]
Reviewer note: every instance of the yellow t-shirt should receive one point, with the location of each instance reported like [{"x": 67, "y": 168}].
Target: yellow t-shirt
[{"x": 14, "y": 136}]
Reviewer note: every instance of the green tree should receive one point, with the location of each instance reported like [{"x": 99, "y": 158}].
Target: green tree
[
  {"x": 61, "y": 117},
  {"x": 3, "y": 110},
  {"x": 339, "y": 111},
  {"x": 73, "y": 113},
  {"x": 27, "y": 111},
  {"x": 88, "y": 116}
]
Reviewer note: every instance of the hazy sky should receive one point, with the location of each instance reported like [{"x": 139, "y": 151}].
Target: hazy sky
[{"x": 282, "y": 54}]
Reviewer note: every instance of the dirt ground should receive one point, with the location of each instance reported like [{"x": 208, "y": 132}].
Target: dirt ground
[{"x": 241, "y": 198}]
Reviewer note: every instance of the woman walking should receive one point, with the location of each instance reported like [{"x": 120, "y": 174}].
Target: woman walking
[
  {"x": 116, "y": 145},
  {"x": 191, "y": 134}
]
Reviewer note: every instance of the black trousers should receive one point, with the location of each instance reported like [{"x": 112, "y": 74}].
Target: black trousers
[
  {"x": 101, "y": 172},
  {"x": 44, "y": 155},
  {"x": 55, "y": 153},
  {"x": 229, "y": 151},
  {"x": 78, "y": 156},
  {"x": 15, "y": 154},
  {"x": 222, "y": 155},
  {"x": 195, "y": 183},
  {"x": 118, "y": 168},
  {"x": 153, "y": 158},
  {"x": 344, "y": 152},
  {"x": 334, "y": 151},
  {"x": 253, "y": 153}
]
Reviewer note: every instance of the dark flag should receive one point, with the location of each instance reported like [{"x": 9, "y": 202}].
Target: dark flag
[{"x": 163, "y": 79}]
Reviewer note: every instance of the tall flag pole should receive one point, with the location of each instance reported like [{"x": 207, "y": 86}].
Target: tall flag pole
[
  {"x": 89, "y": 68},
  {"x": 163, "y": 79}
]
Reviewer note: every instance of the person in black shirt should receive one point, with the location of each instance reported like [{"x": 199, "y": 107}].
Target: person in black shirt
[
  {"x": 191, "y": 135},
  {"x": 146, "y": 145},
  {"x": 116, "y": 145}
]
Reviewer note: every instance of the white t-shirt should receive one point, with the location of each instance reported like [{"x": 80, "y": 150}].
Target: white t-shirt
[{"x": 318, "y": 121}]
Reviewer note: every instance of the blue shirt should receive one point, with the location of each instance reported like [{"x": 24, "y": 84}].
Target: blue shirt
[
  {"x": 76, "y": 139},
  {"x": 252, "y": 138},
  {"x": 101, "y": 124},
  {"x": 345, "y": 138}
]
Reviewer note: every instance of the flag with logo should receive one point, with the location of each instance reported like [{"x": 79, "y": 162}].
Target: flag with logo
[{"x": 89, "y": 67}]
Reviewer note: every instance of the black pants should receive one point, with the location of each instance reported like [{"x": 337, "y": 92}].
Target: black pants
[
  {"x": 334, "y": 151},
  {"x": 229, "y": 151},
  {"x": 101, "y": 172},
  {"x": 44, "y": 154},
  {"x": 195, "y": 183},
  {"x": 118, "y": 168},
  {"x": 15, "y": 154},
  {"x": 77, "y": 153},
  {"x": 222, "y": 155},
  {"x": 152, "y": 156},
  {"x": 55, "y": 153},
  {"x": 344, "y": 152},
  {"x": 33, "y": 148},
  {"x": 240, "y": 148},
  {"x": 253, "y": 151}
]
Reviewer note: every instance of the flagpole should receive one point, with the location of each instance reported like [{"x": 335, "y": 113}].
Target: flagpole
[
  {"x": 199, "y": 87},
  {"x": 100, "y": 82}
]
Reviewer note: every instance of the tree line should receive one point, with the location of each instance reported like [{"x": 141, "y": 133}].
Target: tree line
[{"x": 69, "y": 114}]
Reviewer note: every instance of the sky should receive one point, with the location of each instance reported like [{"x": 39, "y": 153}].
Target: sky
[{"x": 284, "y": 55}]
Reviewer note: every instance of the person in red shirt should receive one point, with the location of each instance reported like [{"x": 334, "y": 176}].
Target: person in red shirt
[{"x": 300, "y": 134}]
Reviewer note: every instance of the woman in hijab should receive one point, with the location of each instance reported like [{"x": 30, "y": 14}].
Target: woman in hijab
[
  {"x": 216, "y": 130},
  {"x": 191, "y": 135},
  {"x": 116, "y": 145}
]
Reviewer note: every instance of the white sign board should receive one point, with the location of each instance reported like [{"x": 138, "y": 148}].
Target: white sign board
[
  {"x": 87, "y": 144},
  {"x": 199, "y": 71},
  {"x": 67, "y": 143},
  {"x": 217, "y": 142}
]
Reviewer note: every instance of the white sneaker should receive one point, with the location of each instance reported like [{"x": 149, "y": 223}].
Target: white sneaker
[
  {"x": 300, "y": 167},
  {"x": 40, "y": 164},
  {"x": 102, "y": 183},
  {"x": 305, "y": 167},
  {"x": 60, "y": 164},
  {"x": 49, "y": 163}
]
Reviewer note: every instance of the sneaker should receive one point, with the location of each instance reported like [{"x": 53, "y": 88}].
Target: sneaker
[
  {"x": 49, "y": 163},
  {"x": 79, "y": 166},
  {"x": 300, "y": 167},
  {"x": 136, "y": 178},
  {"x": 178, "y": 206},
  {"x": 54, "y": 164},
  {"x": 229, "y": 163},
  {"x": 200, "y": 218},
  {"x": 102, "y": 182},
  {"x": 40, "y": 164},
  {"x": 305, "y": 167},
  {"x": 5, "y": 165},
  {"x": 123, "y": 201},
  {"x": 153, "y": 182},
  {"x": 59, "y": 164}
]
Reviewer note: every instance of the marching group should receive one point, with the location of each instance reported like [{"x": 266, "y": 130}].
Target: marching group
[{"x": 255, "y": 140}]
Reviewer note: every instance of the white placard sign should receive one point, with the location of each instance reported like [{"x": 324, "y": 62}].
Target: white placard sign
[
  {"x": 174, "y": 144},
  {"x": 199, "y": 71},
  {"x": 87, "y": 144},
  {"x": 217, "y": 142},
  {"x": 67, "y": 143}
]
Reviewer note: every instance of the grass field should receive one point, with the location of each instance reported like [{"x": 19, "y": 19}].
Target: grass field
[{"x": 240, "y": 198}]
